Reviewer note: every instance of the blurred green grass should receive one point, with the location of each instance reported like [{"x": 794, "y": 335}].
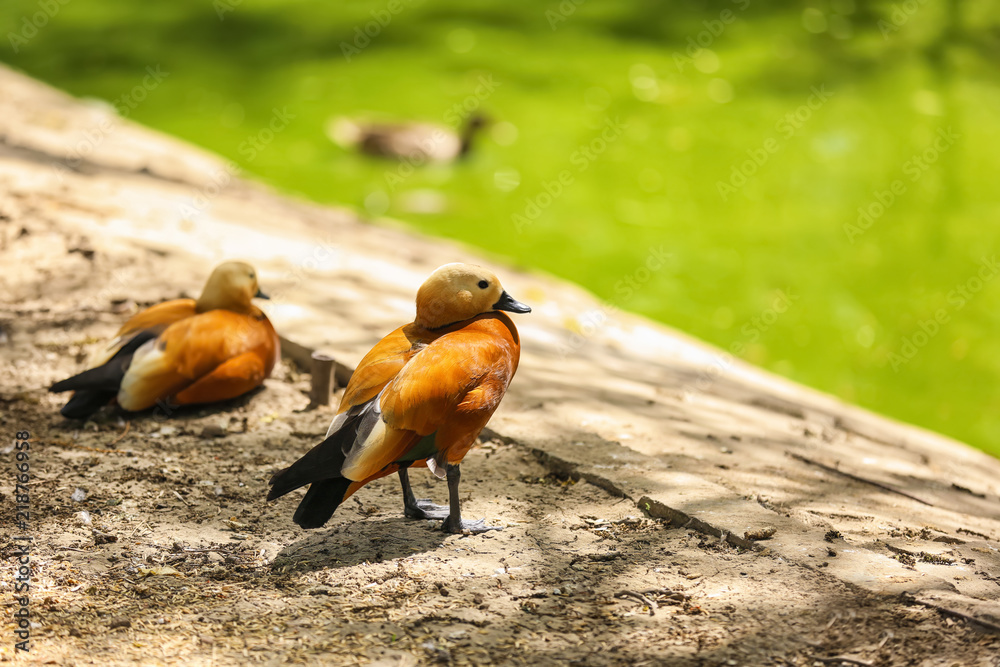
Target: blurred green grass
[{"x": 856, "y": 298}]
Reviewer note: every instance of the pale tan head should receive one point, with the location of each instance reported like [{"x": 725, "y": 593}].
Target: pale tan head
[
  {"x": 459, "y": 292},
  {"x": 231, "y": 286}
]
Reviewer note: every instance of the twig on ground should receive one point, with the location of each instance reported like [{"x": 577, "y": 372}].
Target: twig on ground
[
  {"x": 947, "y": 611},
  {"x": 974, "y": 533},
  {"x": 128, "y": 425},
  {"x": 99, "y": 450},
  {"x": 857, "y": 478},
  {"x": 841, "y": 659},
  {"x": 638, "y": 596},
  {"x": 676, "y": 596}
]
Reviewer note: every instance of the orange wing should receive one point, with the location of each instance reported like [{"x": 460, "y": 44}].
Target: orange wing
[
  {"x": 200, "y": 349},
  {"x": 235, "y": 376},
  {"x": 154, "y": 319},
  {"x": 451, "y": 387},
  {"x": 161, "y": 315},
  {"x": 381, "y": 365}
]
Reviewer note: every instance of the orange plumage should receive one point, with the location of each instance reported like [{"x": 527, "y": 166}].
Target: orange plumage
[
  {"x": 420, "y": 397},
  {"x": 184, "y": 351}
]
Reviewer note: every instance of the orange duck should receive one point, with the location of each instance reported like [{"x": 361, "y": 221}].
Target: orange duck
[
  {"x": 183, "y": 351},
  {"x": 420, "y": 397}
]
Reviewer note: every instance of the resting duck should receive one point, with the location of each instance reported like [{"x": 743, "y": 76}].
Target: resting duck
[
  {"x": 418, "y": 142},
  {"x": 420, "y": 397},
  {"x": 183, "y": 351}
]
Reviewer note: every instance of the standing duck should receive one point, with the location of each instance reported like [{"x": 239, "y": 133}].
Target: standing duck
[
  {"x": 184, "y": 351},
  {"x": 418, "y": 142},
  {"x": 420, "y": 397}
]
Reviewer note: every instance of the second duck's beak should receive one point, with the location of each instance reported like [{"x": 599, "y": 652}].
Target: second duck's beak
[
  {"x": 260, "y": 295},
  {"x": 508, "y": 303}
]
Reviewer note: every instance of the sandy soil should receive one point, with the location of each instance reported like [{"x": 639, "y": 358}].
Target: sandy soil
[{"x": 154, "y": 544}]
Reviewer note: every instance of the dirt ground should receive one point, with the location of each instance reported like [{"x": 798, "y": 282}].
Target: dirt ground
[{"x": 153, "y": 544}]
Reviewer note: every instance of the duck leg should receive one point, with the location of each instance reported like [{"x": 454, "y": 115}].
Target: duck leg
[
  {"x": 418, "y": 508},
  {"x": 454, "y": 523}
]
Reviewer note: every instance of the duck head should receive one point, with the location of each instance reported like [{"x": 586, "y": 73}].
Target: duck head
[
  {"x": 475, "y": 123},
  {"x": 231, "y": 286},
  {"x": 459, "y": 292}
]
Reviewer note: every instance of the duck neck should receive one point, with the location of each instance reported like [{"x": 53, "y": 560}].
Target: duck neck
[
  {"x": 207, "y": 302},
  {"x": 468, "y": 132}
]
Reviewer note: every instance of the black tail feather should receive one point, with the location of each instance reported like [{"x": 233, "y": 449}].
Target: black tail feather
[
  {"x": 86, "y": 402},
  {"x": 320, "y": 463},
  {"x": 96, "y": 386},
  {"x": 325, "y": 460},
  {"x": 321, "y": 467},
  {"x": 103, "y": 378},
  {"x": 320, "y": 502}
]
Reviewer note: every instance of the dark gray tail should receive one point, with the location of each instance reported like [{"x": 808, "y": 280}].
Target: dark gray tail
[
  {"x": 322, "y": 462},
  {"x": 96, "y": 386},
  {"x": 320, "y": 502},
  {"x": 86, "y": 402},
  {"x": 321, "y": 466}
]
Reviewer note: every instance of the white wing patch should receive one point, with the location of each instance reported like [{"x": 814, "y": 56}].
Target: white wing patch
[
  {"x": 146, "y": 362},
  {"x": 337, "y": 423},
  {"x": 369, "y": 438},
  {"x": 356, "y": 462},
  {"x": 437, "y": 468}
]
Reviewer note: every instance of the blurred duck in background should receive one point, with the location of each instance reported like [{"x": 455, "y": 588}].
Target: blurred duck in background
[{"x": 418, "y": 142}]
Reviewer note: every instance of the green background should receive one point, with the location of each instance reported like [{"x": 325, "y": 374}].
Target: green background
[{"x": 896, "y": 74}]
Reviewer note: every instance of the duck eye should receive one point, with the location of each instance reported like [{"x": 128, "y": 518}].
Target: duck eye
[
  {"x": 252, "y": 277},
  {"x": 483, "y": 284}
]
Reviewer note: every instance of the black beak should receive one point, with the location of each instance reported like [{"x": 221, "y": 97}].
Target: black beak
[
  {"x": 260, "y": 295},
  {"x": 507, "y": 303}
]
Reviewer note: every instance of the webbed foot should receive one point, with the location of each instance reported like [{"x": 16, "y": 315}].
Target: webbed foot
[
  {"x": 460, "y": 527},
  {"x": 423, "y": 508}
]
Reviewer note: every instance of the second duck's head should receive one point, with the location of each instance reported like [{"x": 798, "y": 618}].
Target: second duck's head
[
  {"x": 459, "y": 292},
  {"x": 231, "y": 286}
]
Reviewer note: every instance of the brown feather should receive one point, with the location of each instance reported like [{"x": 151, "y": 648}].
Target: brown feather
[
  {"x": 183, "y": 351},
  {"x": 420, "y": 397},
  {"x": 449, "y": 381},
  {"x": 190, "y": 350}
]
